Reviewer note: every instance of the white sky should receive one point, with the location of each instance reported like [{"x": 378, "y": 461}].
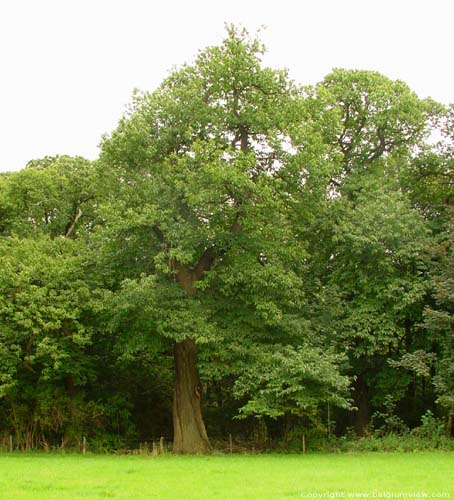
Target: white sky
[{"x": 68, "y": 67}]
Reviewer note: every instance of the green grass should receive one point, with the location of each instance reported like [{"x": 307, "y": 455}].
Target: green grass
[{"x": 57, "y": 476}]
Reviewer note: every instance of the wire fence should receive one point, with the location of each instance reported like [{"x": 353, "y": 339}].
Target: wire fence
[{"x": 153, "y": 446}]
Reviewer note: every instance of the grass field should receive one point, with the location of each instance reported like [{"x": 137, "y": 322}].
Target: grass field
[{"x": 56, "y": 476}]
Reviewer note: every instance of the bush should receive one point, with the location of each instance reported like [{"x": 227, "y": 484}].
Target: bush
[
  {"x": 392, "y": 436},
  {"x": 430, "y": 428}
]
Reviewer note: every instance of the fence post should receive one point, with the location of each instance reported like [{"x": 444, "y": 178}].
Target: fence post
[
  {"x": 329, "y": 422},
  {"x": 230, "y": 443},
  {"x": 84, "y": 444},
  {"x": 11, "y": 443},
  {"x": 304, "y": 443},
  {"x": 161, "y": 446}
]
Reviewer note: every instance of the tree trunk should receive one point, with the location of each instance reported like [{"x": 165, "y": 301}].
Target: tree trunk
[
  {"x": 449, "y": 425},
  {"x": 190, "y": 435},
  {"x": 361, "y": 399}
]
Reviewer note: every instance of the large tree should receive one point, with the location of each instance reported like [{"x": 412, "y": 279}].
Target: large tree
[
  {"x": 211, "y": 177},
  {"x": 48, "y": 298},
  {"x": 368, "y": 241}
]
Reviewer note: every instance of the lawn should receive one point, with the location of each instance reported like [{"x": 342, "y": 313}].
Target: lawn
[{"x": 379, "y": 475}]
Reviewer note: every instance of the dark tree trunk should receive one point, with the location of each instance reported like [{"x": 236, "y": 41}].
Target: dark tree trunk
[
  {"x": 449, "y": 425},
  {"x": 361, "y": 416},
  {"x": 190, "y": 435}
]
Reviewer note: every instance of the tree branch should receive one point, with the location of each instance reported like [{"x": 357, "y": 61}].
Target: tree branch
[{"x": 71, "y": 227}]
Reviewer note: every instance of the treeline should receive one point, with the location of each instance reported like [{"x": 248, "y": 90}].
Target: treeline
[{"x": 247, "y": 256}]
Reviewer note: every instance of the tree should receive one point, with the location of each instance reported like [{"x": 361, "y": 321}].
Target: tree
[
  {"x": 210, "y": 173},
  {"x": 49, "y": 299},
  {"x": 366, "y": 117},
  {"x": 368, "y": 242},
  {"x": 430, "y": 183},
  {"x": 439, "y": 321},
  {"x": 52, "y": 195}
]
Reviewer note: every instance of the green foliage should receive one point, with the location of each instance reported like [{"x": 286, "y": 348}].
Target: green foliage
[
  {"x": 301, "y": 236},
  {"x": 408, "y": 443},
  {"x": 386, "y": 421},
  {"x": 372, "y": 117},
  {"x": 282, "y": 380},
  {"x": 54, "y": 195},
  {"x": 44, "y": 300},
  {"x": 431, "y": 427},
  {"x": 393, "y": 435},
  {"x": 444, "y": 385},
  {"x": 149, "y": 311},
  {"x": 439, "y": 317}
]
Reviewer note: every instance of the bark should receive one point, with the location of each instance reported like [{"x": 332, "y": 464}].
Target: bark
[
  {"x": 70, "y": 387},
  {"x": 190, "y": 435},
  {"x": 71, "y": 226},
  {"x": 449, "y": 425},
  {"x": 361, "y": 416}
]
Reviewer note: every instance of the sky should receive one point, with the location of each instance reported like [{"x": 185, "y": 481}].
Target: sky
[{"x": 68, "y": 67}]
